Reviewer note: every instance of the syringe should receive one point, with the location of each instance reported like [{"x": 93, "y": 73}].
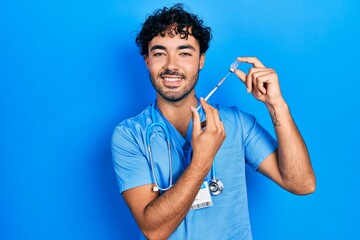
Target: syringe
[{"x": 232, "y": 69}]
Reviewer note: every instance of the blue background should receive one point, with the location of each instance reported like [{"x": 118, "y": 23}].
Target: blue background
[{"x": 70, "y": 71}]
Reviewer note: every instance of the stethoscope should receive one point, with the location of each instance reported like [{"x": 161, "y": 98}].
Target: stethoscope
[{"x": 215, "y": 185}]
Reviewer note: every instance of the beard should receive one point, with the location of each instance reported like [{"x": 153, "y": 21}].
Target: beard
[{"x": 174, "y": 94}]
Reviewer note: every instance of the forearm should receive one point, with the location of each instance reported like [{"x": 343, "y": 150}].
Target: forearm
[
  {"x": 293, "y": 159},
  {"x": 164, "y": 214}
]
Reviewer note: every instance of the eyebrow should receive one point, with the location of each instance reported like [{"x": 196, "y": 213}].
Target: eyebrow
[
  {"x": 157, "y": 47},
  {"x": 181, "y": 47},
  {"x": 187, "y": 46}
]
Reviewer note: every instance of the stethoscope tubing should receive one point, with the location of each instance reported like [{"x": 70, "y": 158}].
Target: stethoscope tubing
[
  {"x": 157, "y": 187},
  {"x": 148, "y": 142}
]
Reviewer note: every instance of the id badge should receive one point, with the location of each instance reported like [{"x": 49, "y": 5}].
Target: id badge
[{"x": 203, "y": 198}]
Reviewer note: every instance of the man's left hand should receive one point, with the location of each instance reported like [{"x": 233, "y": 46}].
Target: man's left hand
[{"x": 262, "y": 82}]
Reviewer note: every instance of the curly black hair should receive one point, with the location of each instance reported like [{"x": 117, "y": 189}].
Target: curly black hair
[{"x": 171, "y": 19}]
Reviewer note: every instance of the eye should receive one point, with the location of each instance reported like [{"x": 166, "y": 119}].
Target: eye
[
  {"x": 158, "y": 54},
  {"x": 185, "y": 54}
]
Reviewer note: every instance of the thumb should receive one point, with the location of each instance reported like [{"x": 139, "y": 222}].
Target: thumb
[
  {"x": 196, "y": 121},
  {"x": 240, "y": 75}
]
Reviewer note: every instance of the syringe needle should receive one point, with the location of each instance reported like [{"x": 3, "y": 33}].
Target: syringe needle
[
  {"x": 232, "y": 69},
  {"x": 214, "y": 89}
]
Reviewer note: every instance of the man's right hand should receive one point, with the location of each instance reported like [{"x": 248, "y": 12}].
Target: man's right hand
[{"x": 207, "y": 141}]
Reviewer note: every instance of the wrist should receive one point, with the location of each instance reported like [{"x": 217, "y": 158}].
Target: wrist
[
  {"x": 201, "y": 164},
  {"x": 278, "y": 106},
  {"x": 278, "y": 112}
]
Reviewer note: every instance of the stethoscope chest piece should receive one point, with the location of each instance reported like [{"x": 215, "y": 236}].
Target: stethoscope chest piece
[{"x": 216, "y": 187}]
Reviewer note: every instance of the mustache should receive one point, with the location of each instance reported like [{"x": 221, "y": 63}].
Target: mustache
[{"x": 169, "y": 72}]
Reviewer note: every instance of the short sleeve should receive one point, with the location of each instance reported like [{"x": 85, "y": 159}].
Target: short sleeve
[
  {"x": 130, "y": 163},
  {"x": 258, "y": 143}
]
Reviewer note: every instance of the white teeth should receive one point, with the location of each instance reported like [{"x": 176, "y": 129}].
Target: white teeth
[{"x": 172, "y": 79}]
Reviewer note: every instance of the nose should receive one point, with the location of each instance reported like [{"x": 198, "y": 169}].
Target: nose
[{"x": 171, "y": 63}]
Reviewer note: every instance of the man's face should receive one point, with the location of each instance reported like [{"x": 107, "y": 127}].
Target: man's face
[{"x": 174, "y": 65}]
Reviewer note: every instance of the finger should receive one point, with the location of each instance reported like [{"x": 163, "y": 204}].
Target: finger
[
  {"x": 223, "y": 129},
  {"x": 196, "y": 121},
  {"x": 260, "y": 78},
  {"x": 210, "y": 121},
  {"x": 249, "y": 81},
  {"x": 216, "y": 117},
  {"x": 260, "y": 86},
  {"x": 253, "y": 74},
  {"x": 243, "y": 78},
  {"x": 268, "y": 81},
  {"x": 252, "y": 60},
  {"x": 240, "y": 75}
]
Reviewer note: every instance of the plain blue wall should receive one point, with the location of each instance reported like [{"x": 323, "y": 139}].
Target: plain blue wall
[{"x": 70, "y": 71}]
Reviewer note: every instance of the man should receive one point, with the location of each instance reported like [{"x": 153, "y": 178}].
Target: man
[{"x": 173, "y": 43}]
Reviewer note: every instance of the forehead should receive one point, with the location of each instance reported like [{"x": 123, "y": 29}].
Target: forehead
[{"x": 174, "y": 41}]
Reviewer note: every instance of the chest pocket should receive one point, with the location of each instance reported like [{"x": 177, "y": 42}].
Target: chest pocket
[{"x": 230, "y": 164}]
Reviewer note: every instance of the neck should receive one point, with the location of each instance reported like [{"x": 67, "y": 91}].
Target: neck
[{"x": 178, "y": 113}]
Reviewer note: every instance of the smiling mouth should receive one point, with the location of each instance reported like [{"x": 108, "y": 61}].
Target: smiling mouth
[{"x": 172, "y": 79}]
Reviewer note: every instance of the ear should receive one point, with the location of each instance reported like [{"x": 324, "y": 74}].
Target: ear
[{"x": 202, "y": 61}]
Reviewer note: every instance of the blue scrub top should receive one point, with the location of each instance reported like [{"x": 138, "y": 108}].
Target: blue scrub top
[{"x": 246, "y": 142}]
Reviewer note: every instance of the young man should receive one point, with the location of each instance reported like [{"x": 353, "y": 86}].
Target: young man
[{"x": 173, "y": 43}]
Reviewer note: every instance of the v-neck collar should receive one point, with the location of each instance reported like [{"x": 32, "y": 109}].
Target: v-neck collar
[{"x": 182, "y": 144}]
